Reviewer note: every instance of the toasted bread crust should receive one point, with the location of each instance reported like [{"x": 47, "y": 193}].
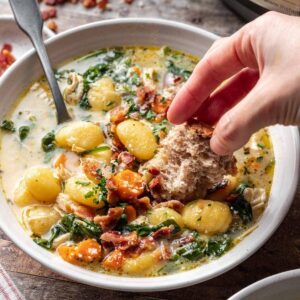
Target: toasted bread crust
[{"x": 187, "y": 166}]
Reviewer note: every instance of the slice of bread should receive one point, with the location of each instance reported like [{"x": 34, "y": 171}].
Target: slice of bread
[{"x": 187, "y": 166}]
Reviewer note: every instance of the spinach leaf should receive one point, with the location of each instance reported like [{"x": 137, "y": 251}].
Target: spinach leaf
[
  {"x": 8, "y": 125},
  {"x": 80, "y": 228},
  {"x": 191, "y": 251},
  {"x": 145, "y": 229},
  {"x": 218, "y": 246},
  {"x": 239, "y": 205},
  {"x": 23, "y": 132},
  {"x": 55, "y": 232},
  {"x": 200, "y": 248},
  {"x": 172, "y": 68},
  {"x": 48, "y": 142}
]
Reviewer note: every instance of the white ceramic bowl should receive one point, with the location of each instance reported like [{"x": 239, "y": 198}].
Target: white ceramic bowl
[
  {"x": 147, "y": 32},
  {"x": 277, "y": 287},
  {"x": 10, "y": 33}
]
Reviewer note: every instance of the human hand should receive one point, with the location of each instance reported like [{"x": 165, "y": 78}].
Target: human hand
[{"x": 261, "y": 63}]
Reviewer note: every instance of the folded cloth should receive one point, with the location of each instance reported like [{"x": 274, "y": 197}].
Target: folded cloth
[{"x": 8, "y": 290}]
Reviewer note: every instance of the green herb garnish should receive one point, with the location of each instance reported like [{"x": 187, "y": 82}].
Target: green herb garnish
[
  {"x": 48, "y": 142},
  {"x": 23, "y": 132},
  {"x": 8, "y": 125}
]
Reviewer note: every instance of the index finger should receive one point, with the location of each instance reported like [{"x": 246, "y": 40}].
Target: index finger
[{"x": 234, "y": 54}]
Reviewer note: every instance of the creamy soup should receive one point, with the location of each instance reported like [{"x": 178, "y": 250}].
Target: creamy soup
[{"x": 79, "y": 189}]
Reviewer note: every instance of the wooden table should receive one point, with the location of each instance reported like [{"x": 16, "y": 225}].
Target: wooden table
[{"x": 280, "y": 253}]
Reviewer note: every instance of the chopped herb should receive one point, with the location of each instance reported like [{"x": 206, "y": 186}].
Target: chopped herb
[
  {"x": 175, "y": 70},
  {"x": 48, "y": 142},
  {"x": 97, "y": 149},
  {"x": 8, "y": 125},
  {"x": 262, "y": 146},
  {"x": 83, "y": 183},
  {"x": 166, "y": 50},
  {"x": 246, "y": 171},
  {"x": 102, "y": 186},
  {"x": 89, "y": 194},
  {"x": 157, "y": 128},
  {"x": 23, "y": 132},
  {"x": 149, "y": 115},
  {"x": 259, "y": 158},
  {"x": 135, "y": 79}
]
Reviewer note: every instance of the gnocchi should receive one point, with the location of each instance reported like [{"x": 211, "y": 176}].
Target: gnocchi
[
  {"x": 42, "y": 184},
  {"x": 161, "y": 214},
  {"x": 142, "y": 263},
  {"x": 207, "y": 217},
  {"x": 79, "y": 136},
  {"x": 39, "y": 218},
  {"x": 137, "y": 138},
  {"x": 82, "y": 190},
  {"x": 102, "y": 95},
  {"x": 22, "y": 195}
]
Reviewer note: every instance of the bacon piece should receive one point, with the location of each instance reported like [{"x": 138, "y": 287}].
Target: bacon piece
[
  {"x": 126, "y": 160},
  {"x": 49, "y": 13},
  {"x": 142, "y": 204},
  {"x": 118, "y": 114},
  {"x": 153, "y": 171},
  {"x": 174, "y": 204},
  {"x": 121, "y": 242},
  {"x": 164, "y": 232},
  {"x": 6, "y": 57},
  {"x": 154, "y": 183},
  {"x": 102, "y": 4},
  {"x": 145, "y": 95},
  {"x": 112, "y": 218},
  {"x": 89, "y": 3},
  {"x": 90, "y": 167}
]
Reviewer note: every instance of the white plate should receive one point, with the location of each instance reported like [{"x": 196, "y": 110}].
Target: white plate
[
  {"x": 142, "y": 31},
  {"x": 282, "y": 286},
  {"x": 11, "y": 34}
]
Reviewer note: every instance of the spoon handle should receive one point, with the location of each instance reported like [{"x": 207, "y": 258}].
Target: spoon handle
[{"x": 28, "y": 17}]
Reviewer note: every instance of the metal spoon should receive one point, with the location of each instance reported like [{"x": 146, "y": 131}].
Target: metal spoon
[{"x": 28, "y": 18}]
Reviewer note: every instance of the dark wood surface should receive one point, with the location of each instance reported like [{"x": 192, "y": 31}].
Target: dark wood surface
[{"x": 280, "y": 253}]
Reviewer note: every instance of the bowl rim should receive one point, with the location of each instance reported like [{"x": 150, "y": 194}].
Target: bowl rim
[
  {"x": 10, "y": 18},
  {"x": 139, "y": 284},
  {"x": 265, "y": 282}
]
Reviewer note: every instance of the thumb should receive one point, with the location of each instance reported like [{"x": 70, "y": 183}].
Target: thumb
[{"x": 257, "y": 110}]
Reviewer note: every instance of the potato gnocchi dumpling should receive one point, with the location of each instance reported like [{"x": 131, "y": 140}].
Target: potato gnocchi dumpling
[
  {"x": 42, "y": 183},
  {"x": 79, "y": 136},
  {"x": 207, "y": 217},
  {"x": 84, "y": 191},
  {"x": 161, "y": 214},
  {"x": 40, "y": 218},
  {"x": 22, "y": 196},
  {"x": 137, "y": 138},
  {"x": 102, "y": 95},
  {"x": 141, "y": 264}
]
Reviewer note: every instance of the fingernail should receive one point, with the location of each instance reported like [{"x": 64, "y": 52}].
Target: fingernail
[{"x": 217, "y": 146}]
